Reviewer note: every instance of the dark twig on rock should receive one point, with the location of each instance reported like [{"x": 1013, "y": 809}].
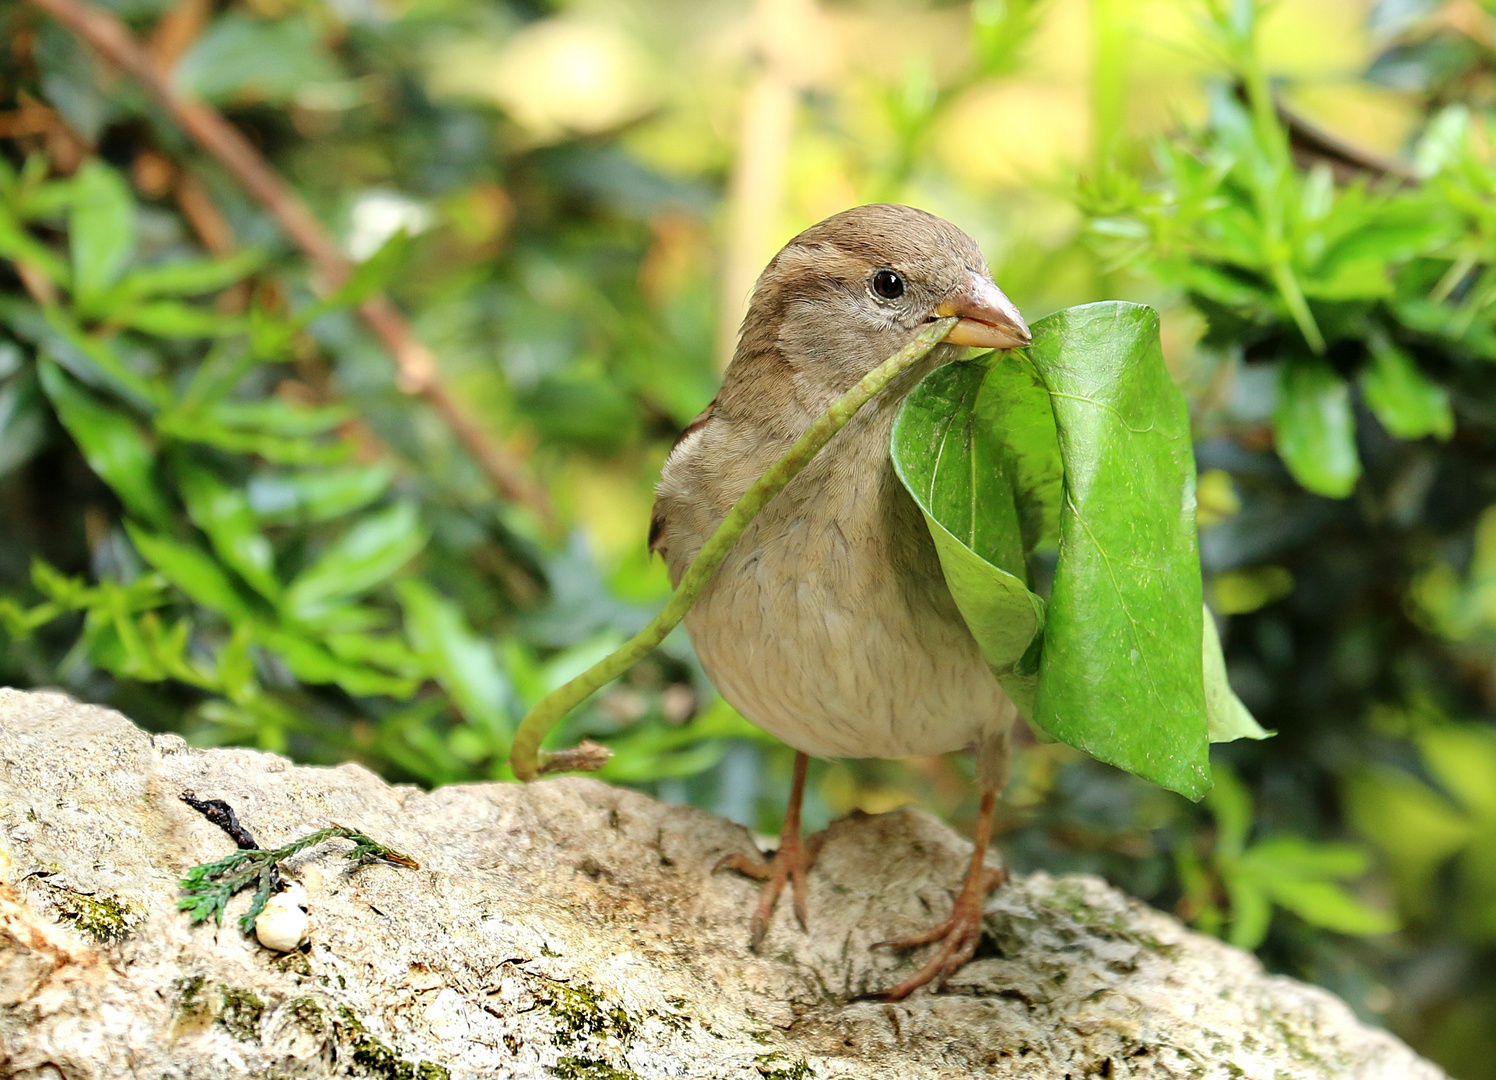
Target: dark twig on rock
[{"x": 222, "y": 814}]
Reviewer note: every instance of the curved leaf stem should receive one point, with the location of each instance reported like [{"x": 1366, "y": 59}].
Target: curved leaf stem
[{"x": 526, "y": 757}]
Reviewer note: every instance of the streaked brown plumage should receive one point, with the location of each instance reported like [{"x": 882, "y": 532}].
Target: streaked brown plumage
[{"x": 830, "y": 624}]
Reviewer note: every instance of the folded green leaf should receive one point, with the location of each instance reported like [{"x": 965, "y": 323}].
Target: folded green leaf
[
  {"x": 1121, "y": 674},
  {"x": 1227, "y": 719},
  {"x": 1087, "y": 439},
  {"x": 964, "y": 463}
]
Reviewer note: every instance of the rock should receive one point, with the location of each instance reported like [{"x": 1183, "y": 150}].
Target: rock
[{"x": 574, "y": 930}]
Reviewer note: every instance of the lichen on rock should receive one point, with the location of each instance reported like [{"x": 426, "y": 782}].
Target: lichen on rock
[{"x": 572, "y": 930}]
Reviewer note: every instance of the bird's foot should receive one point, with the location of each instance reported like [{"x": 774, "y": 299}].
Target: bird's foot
[
  {"x": 791, "y": 863},
  {"x": 958, "y": 935}
]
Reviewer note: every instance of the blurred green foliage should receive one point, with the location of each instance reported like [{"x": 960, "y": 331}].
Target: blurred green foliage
[{"x": 225, "y": 517}]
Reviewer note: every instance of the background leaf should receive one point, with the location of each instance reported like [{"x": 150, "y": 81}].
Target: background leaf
[
  {"x": 367, "y": 555},
  {"x": 1316, "y": 430},
  {"x": 1408, "y": 404},
  {"x": 102, "y": 231},
  {"x": 115, "y": 447}
]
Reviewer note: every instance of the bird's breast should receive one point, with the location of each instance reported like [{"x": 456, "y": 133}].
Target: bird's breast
[{"x": 830, "y": 625}]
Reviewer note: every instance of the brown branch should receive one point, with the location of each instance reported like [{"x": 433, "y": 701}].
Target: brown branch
[{"x": 414, "y": 362}]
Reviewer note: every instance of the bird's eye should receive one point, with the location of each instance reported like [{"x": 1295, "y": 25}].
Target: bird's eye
[{"x": 888, "y": 284}]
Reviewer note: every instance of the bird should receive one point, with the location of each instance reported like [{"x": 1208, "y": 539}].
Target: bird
[{"x": 829, "y": 624}]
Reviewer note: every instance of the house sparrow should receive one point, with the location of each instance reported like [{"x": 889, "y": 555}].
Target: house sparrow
[{"x": 829, "y": 624}]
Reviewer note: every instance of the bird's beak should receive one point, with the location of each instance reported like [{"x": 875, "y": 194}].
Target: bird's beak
[{"x": 989, "y": 320}]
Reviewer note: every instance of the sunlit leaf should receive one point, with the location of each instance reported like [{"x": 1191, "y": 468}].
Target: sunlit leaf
[
  {"x": 1328, "y": 905},
  {"x": 1417, "y": 828}
]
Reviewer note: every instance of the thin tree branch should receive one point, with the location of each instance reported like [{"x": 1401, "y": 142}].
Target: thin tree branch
[{"x": 414, "y": 362}]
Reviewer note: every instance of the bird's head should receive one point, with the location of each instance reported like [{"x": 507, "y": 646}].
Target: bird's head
[{"x": 852, "y": 290}]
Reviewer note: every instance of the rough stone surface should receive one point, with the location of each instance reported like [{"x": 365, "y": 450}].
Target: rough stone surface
[{"x": 570, "y": 929}]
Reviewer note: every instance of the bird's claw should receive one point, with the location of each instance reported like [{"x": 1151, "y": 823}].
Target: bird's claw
[
  {"x": 791, "y": 863},
  {"x": 959, "y": 935}
]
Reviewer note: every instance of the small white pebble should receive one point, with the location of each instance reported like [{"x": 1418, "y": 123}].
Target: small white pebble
[{"x": 283, "y": 924}]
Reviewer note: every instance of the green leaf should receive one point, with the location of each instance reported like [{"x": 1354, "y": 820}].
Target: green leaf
[
  {"x": 1316, "y": 430},
  {"x": 20, "y": 246},
  {"x": 1408, "y": 404},
  {"x": 373, "y": 274},
  {"x": 1300, "y": 875},
  {"x": 101, "y": 231},
  {"x": 112, "y": 444},
  {"x": 281, "y": 449},
  {"x": 315, "y": 495},
  {"x": 190, "y": 569},
  {"x": 311, "y": 663},
  {"x": 1463, "y": 760},
  {"x": 1328, "y": 905},
  {"x": 1227, "y": 719},
  {"x": 1121, "y": 675},
  {"x": 1231, "y": 805},
  {"x": 1251, "y": 911},
  {"x": 366, "y": 556},
  {"x": 168, "y": 318},
  {"x": 190, "y": 277},
  {"x": 23, "y": 422},
  {"x": 223, "y": 513},
  {"x": 94, "y": 360},
  {"x": 258, "y": 59},
  {"x": 1417, "y": 828},
  {"x": 465, "y": 665},
  {"x": 277, "y": 417}
]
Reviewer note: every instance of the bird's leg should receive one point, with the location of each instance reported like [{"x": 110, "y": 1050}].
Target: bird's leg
[
  {"x": 791, "y": 863},
  {"x": 959, "y": 935}
]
